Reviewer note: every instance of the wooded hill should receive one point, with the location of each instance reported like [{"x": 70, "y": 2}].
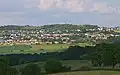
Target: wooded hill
[{"x": 49, "y": 27}]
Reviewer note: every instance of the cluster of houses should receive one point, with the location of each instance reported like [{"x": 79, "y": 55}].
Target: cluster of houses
[{"x": 39, "y": 36}]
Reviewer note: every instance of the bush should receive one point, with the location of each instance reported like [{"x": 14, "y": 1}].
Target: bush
[
  {"x": 31, "y": 69},
  {"x": 55, "y": 66},
  {"x": 85, "y": 68}
]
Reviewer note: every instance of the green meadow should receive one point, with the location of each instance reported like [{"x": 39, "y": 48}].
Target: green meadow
[
  {"x": 32, "y": 48},
  {"x": 17, "y": 49}
]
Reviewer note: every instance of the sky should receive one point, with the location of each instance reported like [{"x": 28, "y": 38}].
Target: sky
[{"x": 40, "y": 12}]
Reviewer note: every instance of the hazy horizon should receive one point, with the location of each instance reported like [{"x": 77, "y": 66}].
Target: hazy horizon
[
  {"x": 100, "y": 25},
  {"x": 40, "y": 12}
]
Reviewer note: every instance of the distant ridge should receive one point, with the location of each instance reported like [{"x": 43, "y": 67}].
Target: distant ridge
[{"x": 50, "y": 27}]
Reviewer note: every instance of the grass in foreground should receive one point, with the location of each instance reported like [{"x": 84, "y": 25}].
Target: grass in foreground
[{"x": 90, "y": 73}]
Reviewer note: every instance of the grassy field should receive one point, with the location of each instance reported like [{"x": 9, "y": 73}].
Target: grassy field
[
  {"x": 84, "y": 44},
  {"x": 118, "y": 30},
  {"x": 17, "y": 49},
  {"x": 51, "y": 47},
  {"x": 90, "y": 73},
  {"x": 14, "y": 48},
  {"x": 32, "y": 48}
]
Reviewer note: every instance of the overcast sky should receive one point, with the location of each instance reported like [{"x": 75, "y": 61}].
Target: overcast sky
[{"x": 39, "y": 12}]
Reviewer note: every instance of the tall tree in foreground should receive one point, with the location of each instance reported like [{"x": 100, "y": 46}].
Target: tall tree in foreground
[{"x": 107, "y": 54}]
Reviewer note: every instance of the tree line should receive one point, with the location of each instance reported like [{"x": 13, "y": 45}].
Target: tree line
[
  {"x": 106, "y": 55},
  {"x": 51, "y": 66}
]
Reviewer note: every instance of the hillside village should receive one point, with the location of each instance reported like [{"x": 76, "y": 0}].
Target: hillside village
[{"x": 55, "y": 34}]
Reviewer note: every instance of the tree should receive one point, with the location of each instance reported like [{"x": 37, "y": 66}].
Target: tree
[
  {"x": 109, "y": 58},
  {"x": 11, "y": 71},
  {"x": 108, "y": 54},
  {"x": 118, "y": 58},
  {"x": 111, "y": 54},
  {"x": 5, "y": 69},
  {"x": 96, "y": 59},
  {"x": 31, "y": 69},
  {"x": 3, "y": 65}
]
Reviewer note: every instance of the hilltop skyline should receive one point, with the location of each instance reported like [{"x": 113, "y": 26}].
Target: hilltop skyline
[{"x": 41, "y": 12}]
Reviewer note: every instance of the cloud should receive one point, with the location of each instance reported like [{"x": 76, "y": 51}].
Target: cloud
[
  {"x": 79, "y": 5},
  {"x": 59, "y": 11},
  {"x": 73, "y": 5}
]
